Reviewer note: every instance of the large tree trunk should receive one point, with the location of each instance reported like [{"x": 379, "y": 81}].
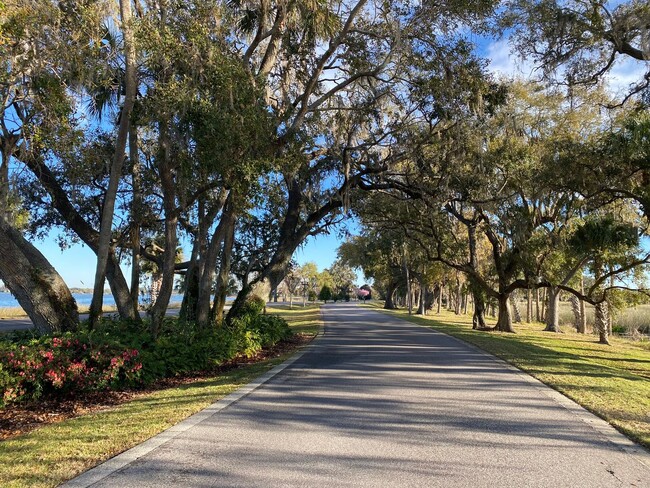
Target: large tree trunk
[
  {"x": 197, "y": 266},
  {"x": 478, "y": 318},
  {"x": 167, "y": 183},
  {"x": 389, "y": 303},
  {"x": 601, "y": 322},
  {"x": 224, "y": 267},
  {"x": 553, "y": 310},
  {"x": 514, "y": 303},
  {"x": 538, "y": 317},
  {"x": 108, "y": 209},
  {"x": 429, "y": 299},
  {"x": 423, "y": 294},
  {"x": 187, "y": 312},
  {"x": 32, "y": 280},
  {"x": 583, "y": 312},
  {"x": 210, "y": 261},
  {"x": 504, "y": 320},
  {"x": 577, "y": 314},
  {"x": 458, "y": 296},
  {"x": 529, "y": 306}
]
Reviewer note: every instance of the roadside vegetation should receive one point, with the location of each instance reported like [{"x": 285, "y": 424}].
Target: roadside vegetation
[
  {"x": 53, "y": 453},
  {"x": 118, "y": 354},
  {"x": 611, "y": 381}
]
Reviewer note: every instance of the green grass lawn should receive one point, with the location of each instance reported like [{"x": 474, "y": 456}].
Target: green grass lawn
[
  {"x": 611, "y": 381},
  {"x": 55, "y": 453},
  {"x": 305, "y": 320}
]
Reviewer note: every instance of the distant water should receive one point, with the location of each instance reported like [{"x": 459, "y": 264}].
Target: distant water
[{"x": 7, "y": 299}]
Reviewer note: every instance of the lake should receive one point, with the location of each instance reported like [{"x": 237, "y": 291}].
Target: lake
[{"x": 7, "y": 299}]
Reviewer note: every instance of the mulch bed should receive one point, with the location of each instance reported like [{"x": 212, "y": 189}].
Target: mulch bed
[{"x": 20, "y": 419}]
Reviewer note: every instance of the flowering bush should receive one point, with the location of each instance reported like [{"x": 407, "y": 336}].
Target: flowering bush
[
  {"x": 54, "y": 366},
  {"x": 124, "y": 353}
]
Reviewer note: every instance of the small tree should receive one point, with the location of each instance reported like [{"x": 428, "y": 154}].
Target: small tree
[
  {"x": 292, "y": 282},
  {"x": 325, "y": 293}
]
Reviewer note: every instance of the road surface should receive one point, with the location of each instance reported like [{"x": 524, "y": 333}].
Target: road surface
[{"x": 381, "y": 402}]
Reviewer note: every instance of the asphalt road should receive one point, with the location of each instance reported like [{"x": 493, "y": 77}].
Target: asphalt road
[{"x": 379, "y": 402}]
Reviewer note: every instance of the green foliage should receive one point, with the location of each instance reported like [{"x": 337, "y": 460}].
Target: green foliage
[
  {"x": 252, "y": 307},
  {"x": 119, "y": 354},
  {"x": 325, "y": 293},
  {"x": 343, "y": 277},
  {"x": 256, "y": 332},
  {"x": 605, "y": 235},
  {"x": 57, "y": 366}
]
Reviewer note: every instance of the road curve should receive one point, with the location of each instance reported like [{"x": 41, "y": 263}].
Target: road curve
[{"x": 381, "y": 402}]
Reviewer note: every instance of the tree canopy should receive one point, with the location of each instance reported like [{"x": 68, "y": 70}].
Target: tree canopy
[{"x": 241, "y": 129}]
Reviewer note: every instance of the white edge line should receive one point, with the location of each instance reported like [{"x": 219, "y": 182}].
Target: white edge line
[
  {"x": 110, "y": 466},
  {"x": 602, "y": 427}
]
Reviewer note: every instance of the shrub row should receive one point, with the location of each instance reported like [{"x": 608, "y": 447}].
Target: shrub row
[
  {"x": 122, "y": 354},
  {"x": 56, "y": 366}
]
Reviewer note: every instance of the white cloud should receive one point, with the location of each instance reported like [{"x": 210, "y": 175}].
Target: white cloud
[
  {"x": 624, "y": 74},
  {"x": 506, "y": 64}
]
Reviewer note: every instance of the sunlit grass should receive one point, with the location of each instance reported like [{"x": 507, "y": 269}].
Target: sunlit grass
[
  {"x": 55, "y": 453},
  {"x": 17, "y": 312},
  {"x": 305, "y": 320},
  {"x": 611, "y": 381},
  {"x": 12, "y": 313},
  {"x": 629, "y": 319}
]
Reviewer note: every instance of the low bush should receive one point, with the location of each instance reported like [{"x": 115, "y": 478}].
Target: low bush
[
  {"x": 56, "y": 366},
  {"x": 252, "y": 333},
  {"x": 121, "y": 354},
  {"x": 253, "y": 306},
  {"x": 272, "y": 329}
]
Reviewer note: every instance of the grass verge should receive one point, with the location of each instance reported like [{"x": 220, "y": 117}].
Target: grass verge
[
  {"x": 19, "y": 313},
  {"x": 303, "y": 320},
  {"x": 58, "y": 452},
  {"x": 611, "y": 381}
]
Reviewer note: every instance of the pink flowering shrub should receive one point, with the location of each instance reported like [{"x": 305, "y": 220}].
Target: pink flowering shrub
[
  {"x": 362, "y": 293},
  {"x": 119, "y": 354},
  {"x": 55, "y": 366}
]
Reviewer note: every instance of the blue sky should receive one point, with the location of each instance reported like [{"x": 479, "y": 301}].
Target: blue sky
[{"x": 77, "y": 264}]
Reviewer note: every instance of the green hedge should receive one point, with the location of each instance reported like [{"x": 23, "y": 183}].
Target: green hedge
[{"x": 122, "y": 354}]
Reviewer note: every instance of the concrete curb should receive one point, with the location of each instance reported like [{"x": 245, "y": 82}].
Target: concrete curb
[
  {"x": 98, "y": 473},
  {"x": 604, "y": 429}
]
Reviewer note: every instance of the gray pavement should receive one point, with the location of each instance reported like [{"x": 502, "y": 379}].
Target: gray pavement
[{"x": 381, "y": 402}]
